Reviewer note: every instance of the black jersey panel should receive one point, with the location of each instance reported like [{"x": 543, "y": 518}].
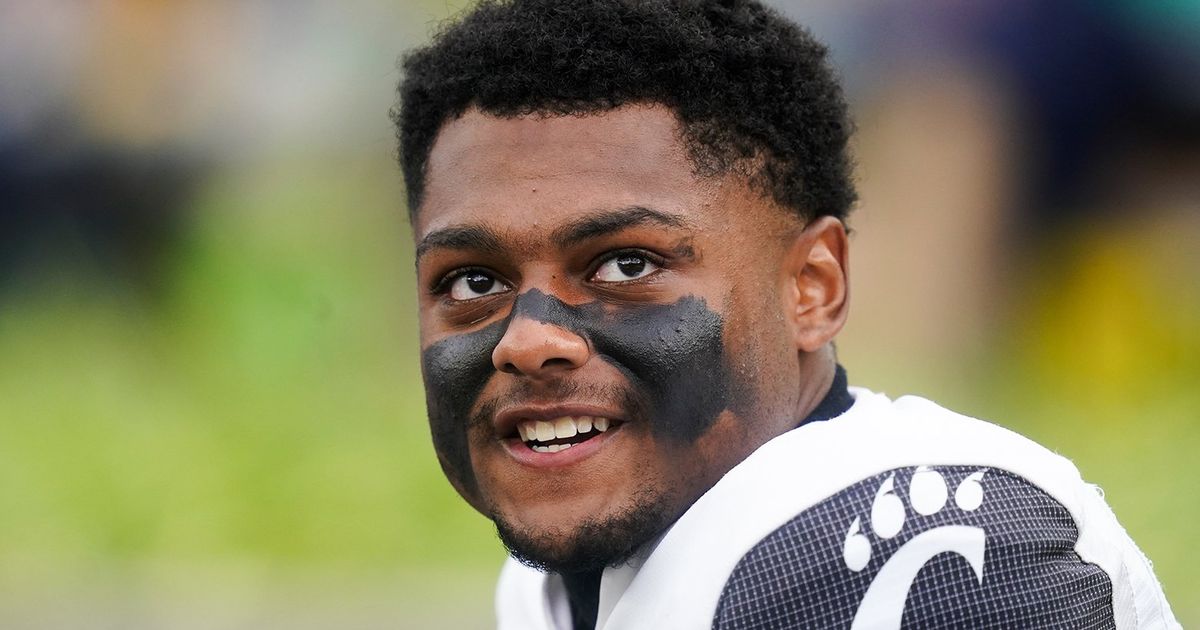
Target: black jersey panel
[{"x": 937, "y": 547}]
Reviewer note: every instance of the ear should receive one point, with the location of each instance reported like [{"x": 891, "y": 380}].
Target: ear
[{"x": 817, "y": 275}]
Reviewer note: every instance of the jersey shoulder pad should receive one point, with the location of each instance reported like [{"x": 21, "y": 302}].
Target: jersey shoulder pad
[{"x": 922, "y": 547}]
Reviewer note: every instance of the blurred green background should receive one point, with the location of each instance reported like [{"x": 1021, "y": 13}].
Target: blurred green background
[{"x": 210, "y": 404}]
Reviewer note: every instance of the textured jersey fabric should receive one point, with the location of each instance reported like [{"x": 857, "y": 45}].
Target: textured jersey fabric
[
  {"x": 897, "y": 514},
  {"x": 976, "y": 547}
]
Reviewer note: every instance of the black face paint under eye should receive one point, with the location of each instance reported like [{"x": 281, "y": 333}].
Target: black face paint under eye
[
  {"x": 455, "y": 371},
  {"x": 672, "y": 354}
]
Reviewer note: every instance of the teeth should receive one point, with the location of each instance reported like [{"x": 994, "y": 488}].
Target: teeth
[
  {"x": 564, "y": 427},
  {"x": 551, "y": 448}
]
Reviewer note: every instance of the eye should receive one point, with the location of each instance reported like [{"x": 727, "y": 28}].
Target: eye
[
  {"x": 625, "y": 266},
  {"x": 473, "y": 284}
]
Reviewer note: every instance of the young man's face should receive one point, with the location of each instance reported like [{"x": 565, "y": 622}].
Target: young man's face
[{"x": 602, "y": 331}]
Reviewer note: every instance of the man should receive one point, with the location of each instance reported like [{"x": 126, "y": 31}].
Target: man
[{"x": 632, "y": 264}]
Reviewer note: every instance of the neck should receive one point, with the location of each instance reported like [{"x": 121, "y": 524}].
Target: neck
[{"x": 818, "y": 371}]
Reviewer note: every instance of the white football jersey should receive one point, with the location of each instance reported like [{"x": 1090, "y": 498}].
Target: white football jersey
[{"x": 894, "y": 514}]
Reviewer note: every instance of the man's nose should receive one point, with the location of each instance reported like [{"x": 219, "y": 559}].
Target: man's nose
[{"x": 538, "y": 350}]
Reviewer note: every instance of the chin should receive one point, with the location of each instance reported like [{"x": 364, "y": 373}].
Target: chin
[{"x": 590, "y": 544}]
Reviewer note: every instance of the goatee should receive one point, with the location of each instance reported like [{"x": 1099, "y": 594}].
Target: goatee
[{"x": 592, "y": 545}]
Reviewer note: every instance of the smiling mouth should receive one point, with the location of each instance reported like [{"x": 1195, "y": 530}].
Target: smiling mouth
[{"x": 559, "y": 434}]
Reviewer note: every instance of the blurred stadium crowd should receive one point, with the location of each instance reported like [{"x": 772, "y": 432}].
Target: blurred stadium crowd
[{"x": 210, "y": 407}]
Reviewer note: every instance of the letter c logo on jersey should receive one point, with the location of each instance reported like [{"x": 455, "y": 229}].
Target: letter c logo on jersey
[{"x": 883, "y": 604}]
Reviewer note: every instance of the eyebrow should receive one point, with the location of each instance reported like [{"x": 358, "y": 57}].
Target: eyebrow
[
  {"x": 476, "y": 237},
  {"x": 481, "y": 238},
  {"x": 607, "y": 222}
]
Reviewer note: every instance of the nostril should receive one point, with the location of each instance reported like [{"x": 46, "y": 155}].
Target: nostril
[{"x": 557, "y": 362}]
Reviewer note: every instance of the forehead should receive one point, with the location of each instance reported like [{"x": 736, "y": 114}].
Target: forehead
[{"x": 537, "y": 170}]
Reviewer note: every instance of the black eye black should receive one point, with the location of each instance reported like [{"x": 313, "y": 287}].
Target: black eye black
[
  {"x": 480, "y": 283},
  {"x": 631, "y": 265}
]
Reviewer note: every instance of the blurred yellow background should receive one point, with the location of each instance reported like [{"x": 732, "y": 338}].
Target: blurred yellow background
[{"x": 210, "y": 404}]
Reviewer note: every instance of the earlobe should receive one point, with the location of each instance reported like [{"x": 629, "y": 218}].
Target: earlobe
[{"x": 817, "y": 275}]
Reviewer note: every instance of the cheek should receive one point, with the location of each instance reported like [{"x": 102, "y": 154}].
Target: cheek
[
  {"x": 675, "y": 355},
  {"x": 765, "y": 365},
  {"x": 455, "y": 371}
]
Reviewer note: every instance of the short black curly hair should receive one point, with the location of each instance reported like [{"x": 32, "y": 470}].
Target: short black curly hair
[{"x": 753, "y": 91}]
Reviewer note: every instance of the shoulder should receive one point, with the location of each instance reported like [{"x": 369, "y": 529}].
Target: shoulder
[
  {"x": 945, "y": 546},
  {"x": 969, "y": 525},
  {"x": 899, "y": 506}
]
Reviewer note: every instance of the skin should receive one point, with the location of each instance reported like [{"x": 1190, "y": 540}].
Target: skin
[{"x": 536, "y": 206}]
